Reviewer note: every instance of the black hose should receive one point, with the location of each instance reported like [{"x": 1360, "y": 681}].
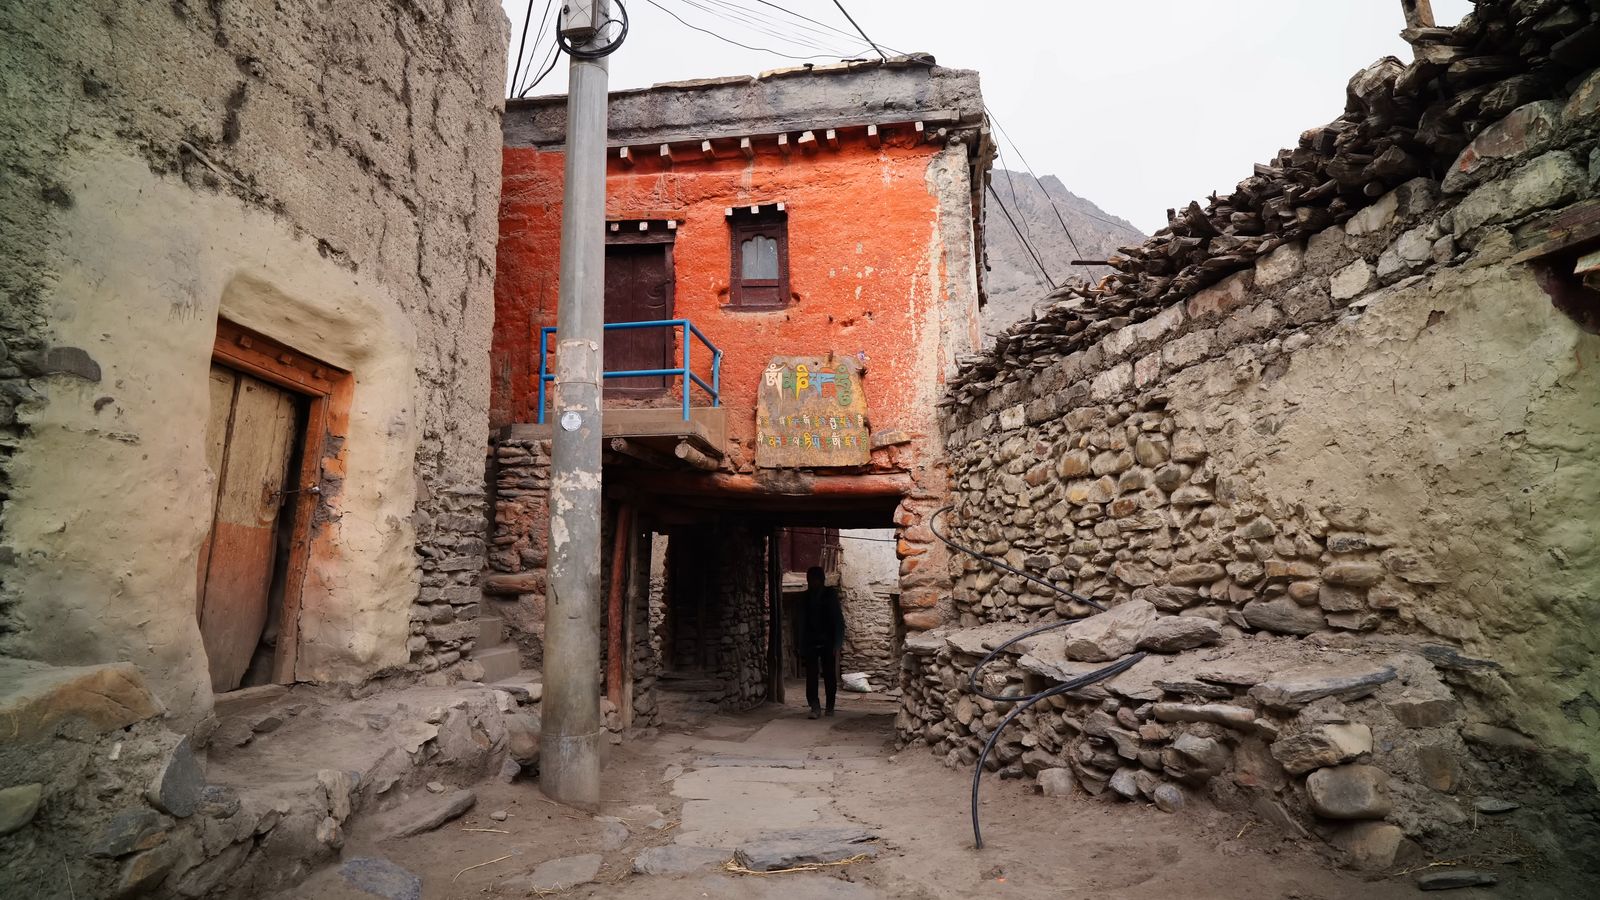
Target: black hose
[
  {"x": 1087, "y": 678},
  {"x": 1024, "y": 702}
]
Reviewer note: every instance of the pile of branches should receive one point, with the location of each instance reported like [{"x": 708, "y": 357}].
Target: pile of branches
[{"x": 1400, "y": 121}]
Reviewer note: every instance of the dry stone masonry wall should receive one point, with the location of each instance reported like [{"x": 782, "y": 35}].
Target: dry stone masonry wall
[{"x": 1342, "y": 496}]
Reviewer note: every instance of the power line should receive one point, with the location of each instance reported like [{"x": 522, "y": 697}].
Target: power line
[
  {"x": 858, "y": 29},
  {"x": 521, "y": 90},
  {"x": 807, "y": 18},
  {"x": 527, "y": 17},
  {"x": 550, "y": 64},
  {"x": 740, "y": 18},
  {"x": 1070, "y": 239},
  {"x": 729, "y": 40},
  {"x": 1025, "y": 245}
]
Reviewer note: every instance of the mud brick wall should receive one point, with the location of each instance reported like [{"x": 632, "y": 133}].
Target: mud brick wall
[
  {"x": 1381, "y": 435},
  {"x": 324, "y": 173}
]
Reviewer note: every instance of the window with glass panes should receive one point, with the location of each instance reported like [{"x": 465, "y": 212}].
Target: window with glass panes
[{"x": 760, "y": 259}]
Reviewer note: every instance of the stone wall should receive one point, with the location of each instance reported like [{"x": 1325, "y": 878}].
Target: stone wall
[
  {"x": 868, "y": 584},
  {"x": 1377, "y": 443},
  {"x": 520, "y": 544},
  {"x": 325, "y": 174},
  {"x": 734, "y": 626}
]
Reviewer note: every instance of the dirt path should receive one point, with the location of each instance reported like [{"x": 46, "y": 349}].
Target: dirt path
[{"x": 718, "y": 782}]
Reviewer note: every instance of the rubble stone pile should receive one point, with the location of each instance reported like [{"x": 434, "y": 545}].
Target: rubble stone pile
[{"x": 1401, "y": 121}]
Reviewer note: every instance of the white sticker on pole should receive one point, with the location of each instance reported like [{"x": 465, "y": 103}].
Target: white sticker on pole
[{"x": 570, "y": 420}]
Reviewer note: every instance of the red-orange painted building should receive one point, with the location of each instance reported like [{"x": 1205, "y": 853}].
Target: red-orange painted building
[{"x": 827, "y": 212}]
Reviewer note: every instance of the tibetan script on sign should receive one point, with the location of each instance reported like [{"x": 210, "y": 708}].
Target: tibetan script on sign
[{"x": 811, "y": 411}]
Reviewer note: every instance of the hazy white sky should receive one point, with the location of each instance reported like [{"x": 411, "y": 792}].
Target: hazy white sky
[{"x": 1137, "y": 105}]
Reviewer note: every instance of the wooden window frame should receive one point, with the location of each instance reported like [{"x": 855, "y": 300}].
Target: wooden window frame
[
  {"x": 758, "y": 294},
  {"x": 329, "y": 390}
]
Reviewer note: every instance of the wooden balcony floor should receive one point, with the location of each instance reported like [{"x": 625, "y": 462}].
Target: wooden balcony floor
[{"x": 660, "y": 429}]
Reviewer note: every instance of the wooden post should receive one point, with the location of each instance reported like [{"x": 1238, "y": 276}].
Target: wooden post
[
  {"x": 626, "y": 155},
  {"x": 1419, "y": 13},
  {"x": 774, "y": 619},
  {"x": 694, "y": 457},
  {"x": 873, "y": 140},
  {"x": 638, "y": 600},
  {"x": 746, "y": 148},
  {"x": 615, "y": 646}
]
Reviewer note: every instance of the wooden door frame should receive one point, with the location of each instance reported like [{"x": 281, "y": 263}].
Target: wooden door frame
[
  {"x": 667, "y": 240},
  {"x": 329, "y": 390}
]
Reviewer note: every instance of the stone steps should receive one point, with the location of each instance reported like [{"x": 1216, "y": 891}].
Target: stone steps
[{"x": 499, "y": 659}]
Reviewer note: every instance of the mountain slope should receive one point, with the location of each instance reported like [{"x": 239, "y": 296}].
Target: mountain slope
[{"x": 1014, "y": 283}]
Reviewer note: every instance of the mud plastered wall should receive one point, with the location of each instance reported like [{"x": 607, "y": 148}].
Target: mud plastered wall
[
  {"x": 1379, "y": 439},
  {"x": 901, "y": 288},
  {"x": 868, "y": 580},
  {"x": 327, "y": 175}
]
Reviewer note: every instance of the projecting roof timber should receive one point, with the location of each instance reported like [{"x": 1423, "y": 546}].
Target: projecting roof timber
[{"x": 791, "y": 101}]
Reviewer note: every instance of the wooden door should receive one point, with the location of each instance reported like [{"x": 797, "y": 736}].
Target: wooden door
[
  {"x": 250, "y": 441},
  {"x": 638, "y": 289}
]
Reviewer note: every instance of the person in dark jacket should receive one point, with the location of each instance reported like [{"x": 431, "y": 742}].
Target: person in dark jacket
[{"x": 821, "y": 639}]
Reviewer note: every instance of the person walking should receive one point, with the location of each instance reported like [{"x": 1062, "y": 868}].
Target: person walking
[{"x": 821, "y": 639}]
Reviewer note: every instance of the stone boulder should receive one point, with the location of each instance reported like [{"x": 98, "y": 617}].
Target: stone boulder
[
  {"x": 381, "y": 878},
  {"x": 522, "y": 737},
  {"x": 177, "y": 787},
  {"x": 1282, "y": 615},
  {"x": 1109, "y": 635},
  {"x": 1193, "y": 758},
  {"x": 804, "y": 846},
  {"x": 1349, "y": 792},
  {"x": 1171, "y": 634},
  {"x": 37, "y": 696},
  {"x": 1370, "y": 846},
  {"x": 1344, "y": 681},
  {"x": 1057, "y": 782},
  {"x": 676, "y": 859},
  {"x": 425, "y": 814},
  {"x": 1321, "y": 746}
]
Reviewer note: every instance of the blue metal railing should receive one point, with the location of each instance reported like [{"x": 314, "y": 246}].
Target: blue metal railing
[{"x": 688, "y": 376}]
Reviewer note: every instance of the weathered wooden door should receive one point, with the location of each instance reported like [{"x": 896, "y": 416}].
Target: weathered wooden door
[
  {"x": 638, "y": 289},
  {"x": 249, "y": 444}
]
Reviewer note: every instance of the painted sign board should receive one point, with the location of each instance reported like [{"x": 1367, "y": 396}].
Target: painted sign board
[{"x": 811, "y": 412}]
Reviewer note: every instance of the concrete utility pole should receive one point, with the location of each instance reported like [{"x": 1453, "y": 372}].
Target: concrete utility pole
[{"x": 569, "y": 755}]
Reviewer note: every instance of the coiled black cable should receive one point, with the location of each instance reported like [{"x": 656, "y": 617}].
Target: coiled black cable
[
  {"x": 577, "y": 52},
  {"x": 1023, "y": 702}
]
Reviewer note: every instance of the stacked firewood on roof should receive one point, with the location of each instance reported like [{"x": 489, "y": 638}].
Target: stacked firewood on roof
[{"x": 1400, "y": 121}]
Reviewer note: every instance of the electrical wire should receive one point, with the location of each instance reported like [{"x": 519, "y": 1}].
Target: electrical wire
[
  {"x": 1073, "y": 684},
  {"x": 1025, "y": 245},
  {"x": 687, "y": 24},
  {"x": 577, "y": 52},
  {"x": 550, "y": 64},
  {"x": 1011, "y": 184},
  {"x": 744, "y": 18},
  {"x": 807, "y": 18},
  {"x": 527, "y": 18},
  {"x": 844, "y": 537},
  {"x": 1024, "y": 702},
  {"x": 863, "y": 34},
  {"x": 933, "y": 526}
]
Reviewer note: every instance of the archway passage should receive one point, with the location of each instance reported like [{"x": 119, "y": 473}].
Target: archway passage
[{"x": 726, "y": 595}]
